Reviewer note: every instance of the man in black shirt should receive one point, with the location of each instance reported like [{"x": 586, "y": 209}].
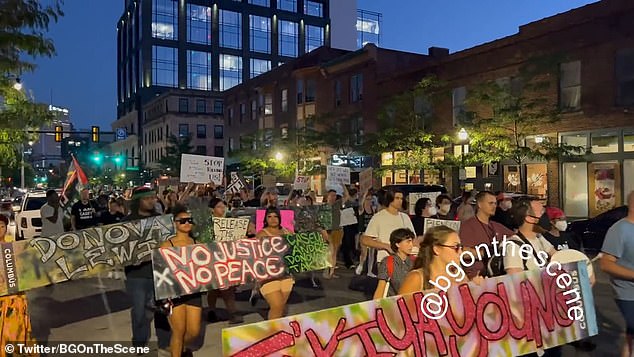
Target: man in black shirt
[
  {"x": 83, "y": 213},
  {"x": 113, "y": 214},
  {"x": 140, "y": 280}
]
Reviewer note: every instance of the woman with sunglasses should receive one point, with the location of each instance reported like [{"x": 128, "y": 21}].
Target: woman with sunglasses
[
  {"x": 440, "y": 246},
  {"x": 275, "y": 292},
  {"x": 186, "y": 311},
  {"x": 218, "y": 209}
]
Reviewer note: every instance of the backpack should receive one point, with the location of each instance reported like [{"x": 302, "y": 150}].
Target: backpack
[
  {"x": 389, "y": 262},
  {"x": 495, "y": 264}
]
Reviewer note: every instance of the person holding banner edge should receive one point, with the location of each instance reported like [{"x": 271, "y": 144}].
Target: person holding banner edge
[
  {"x": 186, "y": 310},
  {"x": 335, "y": 235},
  {"x": 275, "y": 292}
]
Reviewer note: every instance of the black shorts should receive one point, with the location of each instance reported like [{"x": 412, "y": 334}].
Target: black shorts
[
  {"x": 191, "y": 300},
  {"x": 627, "y": 310}
]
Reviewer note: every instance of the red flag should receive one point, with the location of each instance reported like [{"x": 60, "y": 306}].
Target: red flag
[{"x": 75, "y": 178}]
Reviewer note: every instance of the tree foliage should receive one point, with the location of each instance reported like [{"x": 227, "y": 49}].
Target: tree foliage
[{"x": 176, "y": 147}]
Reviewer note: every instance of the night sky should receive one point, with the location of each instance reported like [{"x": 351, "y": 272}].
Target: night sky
[{"x": 83, "y": 78}]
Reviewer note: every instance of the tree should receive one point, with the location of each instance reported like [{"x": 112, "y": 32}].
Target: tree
[
  {"x": 23, "y": 24},
  {"x": 504, "y": 113},
  {"x": 176, "y": 147}
]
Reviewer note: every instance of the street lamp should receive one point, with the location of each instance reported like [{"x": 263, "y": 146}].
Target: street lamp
[
  {"x": 279, "y": 156},
  {"x": 463, "y": 137},
  {"x": 18, "y": 84}
]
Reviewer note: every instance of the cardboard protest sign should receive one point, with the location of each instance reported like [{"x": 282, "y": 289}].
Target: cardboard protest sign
[
  {"x": 312, "y": 218},
  {"x": 230, "y": 228},
  {"x": 415, "y": 196},
  {"x": 42, "y": 261},
  {"x": 236, "y": 184},
  {"x": 348, "y": 217},
  {"x": 509, "y": 315},
  {"x": 185, "y": 270},
  {"x": 336, "y": 175},
  {"x": 288, "y": 216},
  {"x": 365, "y": 181},
  {"x": 201, "y": 169},
  {"x": 302, "y": 183},
  {"x": 432, "y": 222}
]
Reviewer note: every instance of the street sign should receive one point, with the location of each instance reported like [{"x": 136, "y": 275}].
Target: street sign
[{"x": 121, "y": 133}]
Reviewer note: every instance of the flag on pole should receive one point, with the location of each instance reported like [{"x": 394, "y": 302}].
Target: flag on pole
[{"x": 76, "y": 180}]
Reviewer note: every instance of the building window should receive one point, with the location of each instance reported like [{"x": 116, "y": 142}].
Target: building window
[
  {"x": 300, "y": 91},
  {"x": 231, "y": 145},
  {"x": 201, "y": 131},
  {"x": 219, "y": 151},
  {"x": 243, "y": 111},
  {"x": 164, "y": 66},
  {"x": 218, "y": 106},
  {"x": 287, "y": 5},
  {"x": 183, "y": 130},
  {"x": 284, "y": 100},
  {"x": 313, "y": 8},
  {"x": 457, "y": 99},
  {"x": 268, "y": 104},
  {"x": 357, "y": 131},
  {"x": 201, "y": 106},
  {"x": 201, "y": 150},
  {"x": 199, "y": 24},
  {"x": 314, "y": 37},
  {"x": 259, "y": 66},
  {"x": 288, "y": 38},
  {"x": 356, "y": 88},
  {"x": 165, "y": 19},
  {"x": 260, "y": 2},
  {"x": 310, "y": 91},
  {"x": 230, "y": 71},
  {"x": 183, "y": 105},
  {"x": 199, "y": 70},
  {"x": 254, "y": 109},
  {"x": 368, "y": 27},
  {"x": 218, "y": 132},
  {"x": 229, "y": 116},
  {"x": 260, "y": 34},
  {"x": 625, "y": 77},
  {"x": 230, "y": 29},
  {"x": 570, "y": 85},
  {"x": 337, "y": 93}
]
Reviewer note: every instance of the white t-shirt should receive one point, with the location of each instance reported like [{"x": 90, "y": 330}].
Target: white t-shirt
[
  {"x": 383, "y": 224},
  {"x": 48, "y": 228},
  {"x": 513, "y": 258}
]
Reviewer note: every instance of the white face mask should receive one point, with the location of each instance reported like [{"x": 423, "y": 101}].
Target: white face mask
[
  {"x": 432, "y": 211},
  {"x": 561, "y": 225},
  {"x": 444, "y": 208}
]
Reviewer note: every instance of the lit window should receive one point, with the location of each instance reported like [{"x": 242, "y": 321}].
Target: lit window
[
  {"x": 164, "y": 66},
  {"x": 268, "y": 104},
  {"x": 165, "y": 19},
  {"x": 230, "y": 29},
  {"x": 230, "y": 71},
  {"x": 198, "y": 24},
  {"x": 288, "y": 38},
  {"x": 260, "y": 2},
  {"x": 284, "y": 100},
  {"x": 314, "y": 37},
  {"x": 570, "y": 85},
  {"x": 287, "y": 5},
  {"x": 314, "y": 8},
  {"x": 260, "y": 34},
  {"x": 259, "y": 66},
  {"x": 199, "y": 70}
]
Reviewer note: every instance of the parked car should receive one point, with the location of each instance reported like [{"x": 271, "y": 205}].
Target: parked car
[
  {"x": 592, "y": 231},
  {"x": 28, "y": 220},
  {"x": 6, "y": 208},
  {"x": 17, "y": 203}
]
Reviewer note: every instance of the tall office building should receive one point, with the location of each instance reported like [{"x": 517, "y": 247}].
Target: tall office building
[
  {"x": 368, "y": 27},
  {"x": 209, "y": 45}
]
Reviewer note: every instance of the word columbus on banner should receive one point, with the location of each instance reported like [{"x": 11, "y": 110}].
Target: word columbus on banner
[{"x": 509, "y": 315}]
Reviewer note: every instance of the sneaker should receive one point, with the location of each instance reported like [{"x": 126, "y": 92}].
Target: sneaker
[
  {"x": 351, "y": 266},
  {"x": 359, "y": 269},
  {"x": 255, "y": 296},
  {"x": 315, "y": 284},
  {"x": 236, "y": 319}
]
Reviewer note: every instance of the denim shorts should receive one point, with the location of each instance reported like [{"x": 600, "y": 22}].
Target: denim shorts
[{"x": 627, "y": 309}]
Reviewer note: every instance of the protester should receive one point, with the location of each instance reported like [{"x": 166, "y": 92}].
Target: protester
[
  {"x": 114, "y": 213},
  {"x": 386, "y": 221},
  {"x": 335, "y": 235},
  {"x": 83, "y": 212},
  {"x": 52, "y": 215},
  {"x": 445, "y": 209},
  {"x": 187, "y": 309},
  {"x": 140, "y": 279},
  {"x": 465, "y": 209},
  {"x": 440, "y": 246},
  {"x": 366, "y": 211},
  {"x": 617, "y": 260},
  {"x": 395, "y": 267},
  {"x": 502, "y": 211},
  {"x": 423, "y": 209},
  {"x": 218, "y": 210},
  {"x": 316, "y": 226},
  {"x": 277, "y": 291},
  {"x": 350, "y": 231},
  {"x": 15, "y": 324}
]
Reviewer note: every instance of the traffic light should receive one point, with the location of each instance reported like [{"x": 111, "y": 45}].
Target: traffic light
[
  {"x": 59, "y": 130},
  {"x": 95, "y": 134},
  {"x": 118, "y": 159},
  {"x": 96, "y": 157}
]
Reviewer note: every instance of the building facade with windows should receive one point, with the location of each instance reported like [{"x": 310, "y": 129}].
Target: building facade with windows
[{"x": 368, "y": 26}]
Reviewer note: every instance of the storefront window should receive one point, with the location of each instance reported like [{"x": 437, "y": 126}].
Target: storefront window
[
  {"x": 471, "y": 172},
  {"x": 386, "y": 159},
  {"x": 628, "y": 171},
  {"x": 575, "y": 189},
  {"x": 400, "y": 176},
  {"x": 575, "y": 140},
  {"x": 537, "y": 179},
  {"x": 628, "y": 141},
  {"x": 605, "y": 143}
]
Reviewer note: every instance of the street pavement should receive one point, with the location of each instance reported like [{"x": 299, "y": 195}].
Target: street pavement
[{"x": 97, "y": 309}]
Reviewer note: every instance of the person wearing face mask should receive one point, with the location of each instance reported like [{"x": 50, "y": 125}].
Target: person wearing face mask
[
  {"x": 556, "y": 232},
  {"x": 423, "y": 209},
  {"x": 502, "y": 212},
  {"x": 445, "y": 211}
]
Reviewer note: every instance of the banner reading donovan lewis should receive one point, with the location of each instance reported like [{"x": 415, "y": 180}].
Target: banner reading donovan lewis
[
  {"x": 37, "y": 262},
  {"x": 506, "y": 316},
  {"x": 180, "y": 271}
]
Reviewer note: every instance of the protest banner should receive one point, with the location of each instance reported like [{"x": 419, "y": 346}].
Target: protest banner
[
  {"x": 365, "y": 181},
  {"x": 230, "y": 228},
  {"x": 302, "y": 183},
  {"x": 201, "y": 169},
  {"x": 415, "y": 196},
  {"x": 432, "y": 222},
  {"x": 236, "y": 184},
  {"x": 312, "y": 218},
  {"x": 509, "y": 315},
  {"x": 288, "y": 216},
  {"x": 195, "y": 268},
  {"x": 337, "y": 175},
  {"x": 42, "y": 261}
]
